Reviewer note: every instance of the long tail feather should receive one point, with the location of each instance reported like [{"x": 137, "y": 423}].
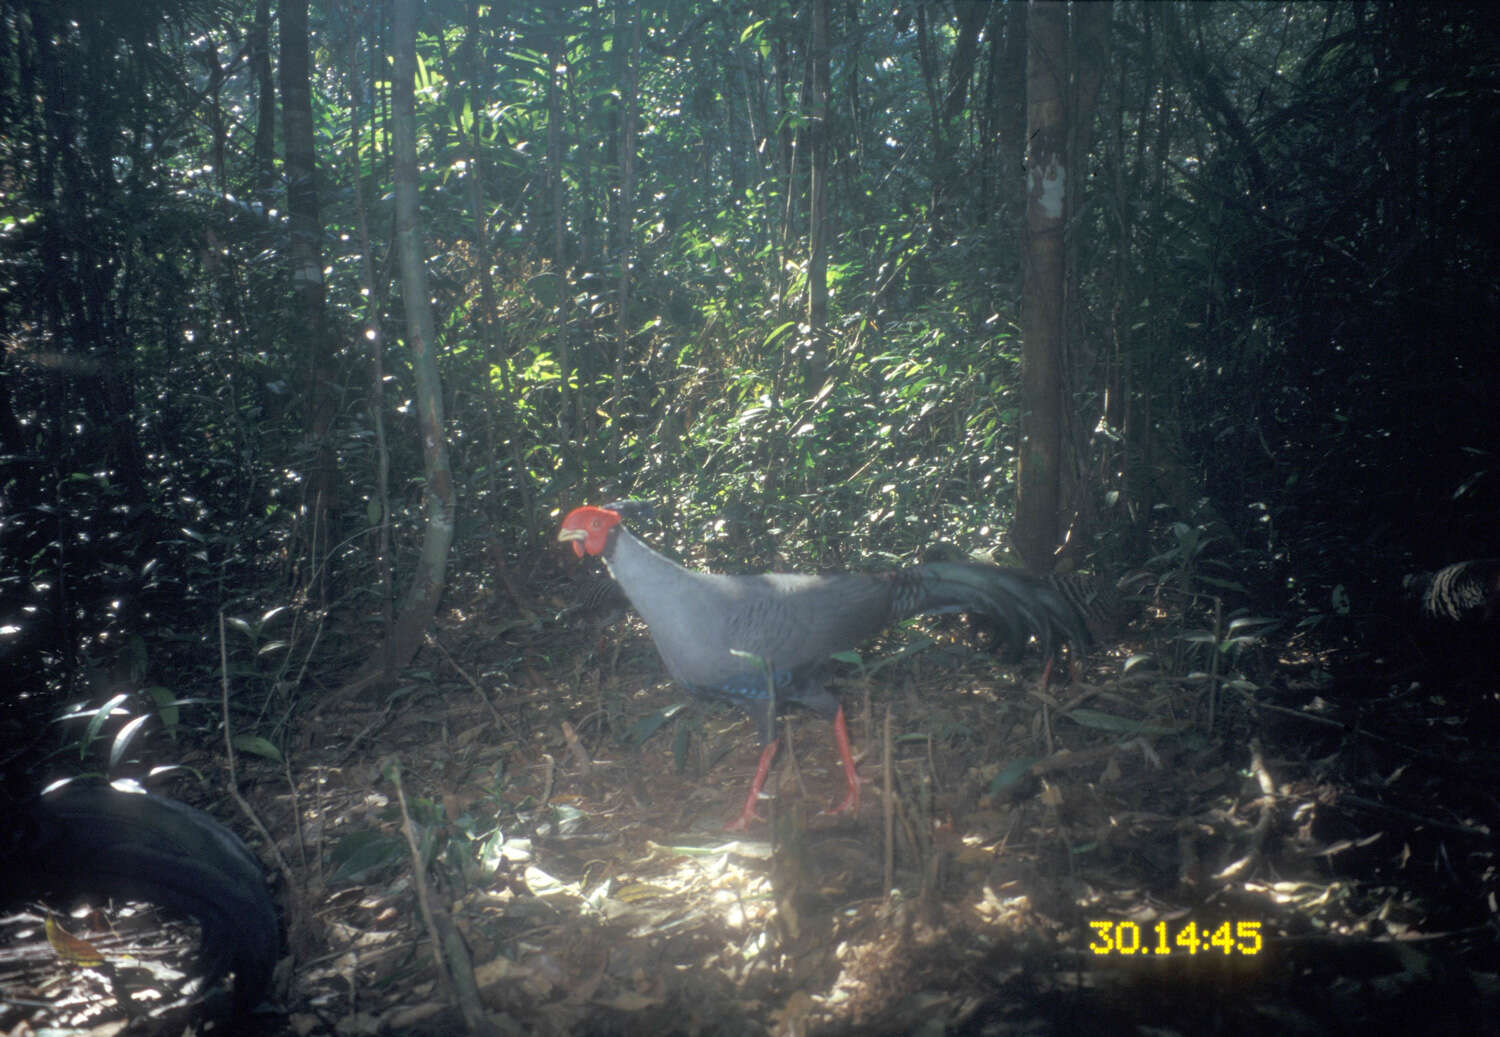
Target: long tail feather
[
  {"x": 1459, "y": 591},
  {"x": 1019, "y": 602}
]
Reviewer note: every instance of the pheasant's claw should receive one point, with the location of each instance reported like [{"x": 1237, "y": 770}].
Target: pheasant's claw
[
  {"x": 742, "y": 822},
  {"x": 849, "y": 803}
]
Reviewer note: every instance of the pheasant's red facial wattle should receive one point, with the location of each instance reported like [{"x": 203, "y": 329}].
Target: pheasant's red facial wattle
[
  {"x": 795, "y": 622},
  {"x": 587, "y": 528}
]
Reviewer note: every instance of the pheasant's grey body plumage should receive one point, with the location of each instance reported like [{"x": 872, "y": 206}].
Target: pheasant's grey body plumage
[{"x": 794, "y": 622}]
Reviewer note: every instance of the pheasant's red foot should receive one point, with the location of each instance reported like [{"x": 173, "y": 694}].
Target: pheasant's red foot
[
  {"x": 749, "y": 814},
  {"x": 742, "y": 822},
  {"x": 851, "y": 777},
  {"x": 850, "y": 802}
]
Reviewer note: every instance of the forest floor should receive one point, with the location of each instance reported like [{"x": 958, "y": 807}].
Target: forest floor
[{"x": 1313, "y": 852}]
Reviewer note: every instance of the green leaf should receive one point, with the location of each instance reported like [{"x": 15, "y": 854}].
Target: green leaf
[
  {"x": 778, "y": 332},
  {"x": 122, "y": 740},
  {"x": 1015, "y": 772},
  {"x": 651, "y": 723},
  {"x": 359, "y": 854},
  {"x": 1101, "y": 721},
  {"x": 255, "y": 745},
  {"x": 166, "y": 708},
  {"x": 239, "y": 624},
  {"x": 96, "y": 721},
  {"x": 681, "y": 742}
]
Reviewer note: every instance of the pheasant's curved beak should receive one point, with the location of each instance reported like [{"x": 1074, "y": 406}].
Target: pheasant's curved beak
[{"x": 577, "y": 536}]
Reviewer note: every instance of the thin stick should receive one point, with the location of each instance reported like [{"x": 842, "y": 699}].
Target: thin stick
[
  {"x": 887, "y": 778},
  {"x": 580, "y": 754},
  {"x": 472, "y": 683},
  {"x": 419, "y": 876},
  {"x": 234, "y": 781}
]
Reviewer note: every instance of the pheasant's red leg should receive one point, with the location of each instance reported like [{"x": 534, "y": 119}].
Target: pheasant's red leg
[
  {"x": 841, "y": 739},
  {"x": 748, "y": 814}
]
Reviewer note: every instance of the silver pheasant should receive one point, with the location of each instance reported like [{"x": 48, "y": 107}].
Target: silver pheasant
[{"x": 720, "y": 635}]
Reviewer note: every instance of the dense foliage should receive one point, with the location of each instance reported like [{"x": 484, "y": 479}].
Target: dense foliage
[{"x": 1281, "y": 320}]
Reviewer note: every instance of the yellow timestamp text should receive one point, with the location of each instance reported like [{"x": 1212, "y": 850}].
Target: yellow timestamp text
[{"x": 1129, "y": 939}]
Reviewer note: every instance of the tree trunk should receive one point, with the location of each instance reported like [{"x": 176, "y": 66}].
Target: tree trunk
[
  {"x": 375, "y": 298},
  {"x": 264, "y": 149},
  {"x": 1035, "y": 534},
  {"x": 568, "y": 410},
  {"x": 426, "y": 588},
  {"x": 816, "y": 358},
  {"x": 949, "y": 192},
  {"x": 307, "y": 329},
  {"x": 628, "y": 44},
  {"x": 1010, "y": 117}
]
